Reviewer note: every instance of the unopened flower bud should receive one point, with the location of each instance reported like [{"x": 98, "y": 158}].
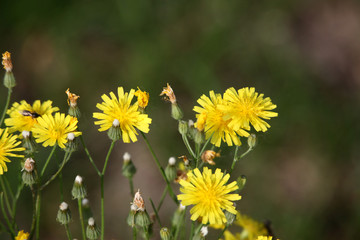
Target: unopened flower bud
[
  {"x": 183, "y": 127},
  {"x": 114, "y": 132},
  {"x": 92, "y": 232},
  {"x": 28, "y": 142},
  {"x": 29, "y": 165},
  {"x": 25, "y": 134},
  {"x": 165, "y": 234},
  {"x": 176, "y": 111},
  {"x": 241, "y": 182},
  {"x": 64, "y": 214},
  {"x": 128, "y": 168},
  {"x": 204, "y": 231},
  {"x": 72, "y": 143},
  {"x": 251, "y": 140},
  {"x": 78, "y": 191},
  {"x": 199, "y": 137},
  {"x": 172, "y": 161},
  {"x": 208, "y": 156},
  {"x": 131, "y": 217},
  {"x": 230, "y": 218},
  {"x": 178, "y": 216},
  {"x": 28, "y": 175},
  {"x": 142, "y": 219},
  {"x": 85, "y": 203},
  {"x": 170, "y": 172}
]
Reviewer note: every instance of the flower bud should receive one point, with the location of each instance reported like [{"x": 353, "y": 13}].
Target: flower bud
[
  {"x": 241, "y": 182},
  {"x": 170, "y": 172},
  {"x": 28, "y": 143},
  {"x": 251, "y": 140},
  {"x": 128, "y": 168},
  {"x": 204, "y": 231},
  {"x": 9, "y": 80},
  {"x": 72, "y": 102},
  {"x": 142, "y": 219},
  {"x": 78, "y": 191},
  {"x": 183, "y": 127},
  {"x": 114, "y": 132},
  {"x": 72, "y": 143},
  {"x": 178, "y": 216},
  {"x": 199, "y": 137},
  {"x": 92, "y": 232},
  {"x": 230, "y": 218},
  {"x": 64, "y": 214},
  {"x": 131, "y": 217},
  {"x": 176, "y": 111},
  {"x": 28, "y": 175},
  {"x": 165, "y": 234}
]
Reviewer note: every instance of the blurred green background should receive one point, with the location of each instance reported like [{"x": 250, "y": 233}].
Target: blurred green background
[{"x": 304, "y": 174}]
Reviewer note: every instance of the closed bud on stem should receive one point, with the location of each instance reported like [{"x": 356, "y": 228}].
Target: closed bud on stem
[
  {"x": 199, "y": 137},
  {"x": 176, "y": 111},
  {"x": 72, "y": 102},
  {"x": 128, "y": 168},
  {"x": 78, "y": 191},
  {"x": 131, "y": 218},
  {"x": 114, "y": 132},
  {"x": 28, "y": 142},
  {"x": 28, "y": 175},
  {"x": 165, "y": 234},
  {"x": 230, "y": 218},
  {"x": 64, "y": 214},
  {"x": 201, "y": 234},
  {"x": 142, "y": 219},
  {"x": 170, "y": 171},
  {"x": 9, "y": 79},
  {"x": 177, "y": 217},
  {"x": 241, "y": 182},
  {"x": 72, "y": 143},
  {"x": 92, "y": 232},
  {"x": 251, "y": 140},
  {"x": 183, "y": 127}
]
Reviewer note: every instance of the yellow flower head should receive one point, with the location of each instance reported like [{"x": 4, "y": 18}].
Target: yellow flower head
[
  {"x": 6, "y": 62},
  {"x": 201, "y": 120},
  {"x": 72, "y": 98},
  {"x": 216, "y": 126},
  {"x": 264, "y": 238},
  {"x": 169, "y": 93},
  {"x": 8, "y": 144},
  {"x": 142, "y": 98},
  {"x": 210, "y": 195},
  {"x": 55, "y": 129},
  {"x": 23, "y": 116},
  {"x": 22, "y": 235},
  {"x": 123, "y": 113},
  {"x": 246, "y": 106}
]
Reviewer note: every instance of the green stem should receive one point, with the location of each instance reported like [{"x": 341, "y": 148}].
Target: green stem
[
  {"x": 187, "y": 144},
  {"x": 179, "y": 226},
  {"x": 131, "y": 187},
  {"x": 15, "y": 200},
  {"x": 171, "y": 192},
  {"x": 33, "y": 223},
  {"x": 236, "y": 158},
  {"x": 162, "y": 199},
  {"x": 102, "y": 190},
  {"x": 134, "y": 233},
  {"x": 52, "y": 178},
  {"x": 155, "y": 211},
  {"x": 48, "y": 160},
  {"x": 38, "y": 205},
  {"x": 222, "y": 232},
  {"x": 89, "y": 156},
  {"x": 68, "y": 233},
  {"x": 81, "y": 219},
  {"x": 8, "y": 187},
  {"x": 6, "y": 106},
  {"x": 11, "y": 230},
  {"x": 205, "y": 145},
  {"x": 146, "y": 231},
  {"x": 7, "y": 202}
]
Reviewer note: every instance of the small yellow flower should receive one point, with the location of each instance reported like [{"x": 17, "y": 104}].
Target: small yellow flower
[
  {"x": 119, "y": 111},
  {"x": 264, "y": 238},
  {"x": 142, "y": 98},
  {"x": 23, "y": 116},
  {"x": 169, "y": 93},
  {"x": 210, "y": 195},
  {"x": 6, "y": 62},
  {"x": 8, "y": 144},
  {"x": 246, "y": 106},
  {"x": 55, "y": 129},
  {"x": 72, "y": 98},
  {"x": 22, "y": 235},
  {"x": 216, "y": 126}
]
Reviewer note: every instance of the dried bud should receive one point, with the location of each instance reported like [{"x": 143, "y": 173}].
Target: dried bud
[
  {"x": 72, "y": 98},
  {"x": 169, "y": 94},
  {"x": 64, "y": 214},
  {"x": 208, "y": 156},
  {"x": 6, "y": 62},
  {"x": 138, "y": 202},
  {"x": 29, "y": 165}
]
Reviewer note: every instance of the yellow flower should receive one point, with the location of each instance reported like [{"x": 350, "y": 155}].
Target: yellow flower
[
  {"x": 142, "y": 98},
  {"x": 6, "y": 62},
  {"x": 210, "y": 195},
  {"x": 246, "y": 106},
  {"x": 8, "y": 144},
  {"x": 22, "y": 235},
  {"x": 264, "y": 238},
  {"x": 55, "y": 129},
  {"x": 23, "y": 116},
  {"x": 125, "y": 115},
  {"x": 229, "y": 236},
  {"x": 216, "y": 126}
]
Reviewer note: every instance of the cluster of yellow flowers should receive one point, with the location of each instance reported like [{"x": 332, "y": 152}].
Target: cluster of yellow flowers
[{"x": 225, "y": 118}]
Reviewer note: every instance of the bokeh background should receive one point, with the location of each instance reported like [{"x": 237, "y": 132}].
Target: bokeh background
[{"x": 304, "y": 174}]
